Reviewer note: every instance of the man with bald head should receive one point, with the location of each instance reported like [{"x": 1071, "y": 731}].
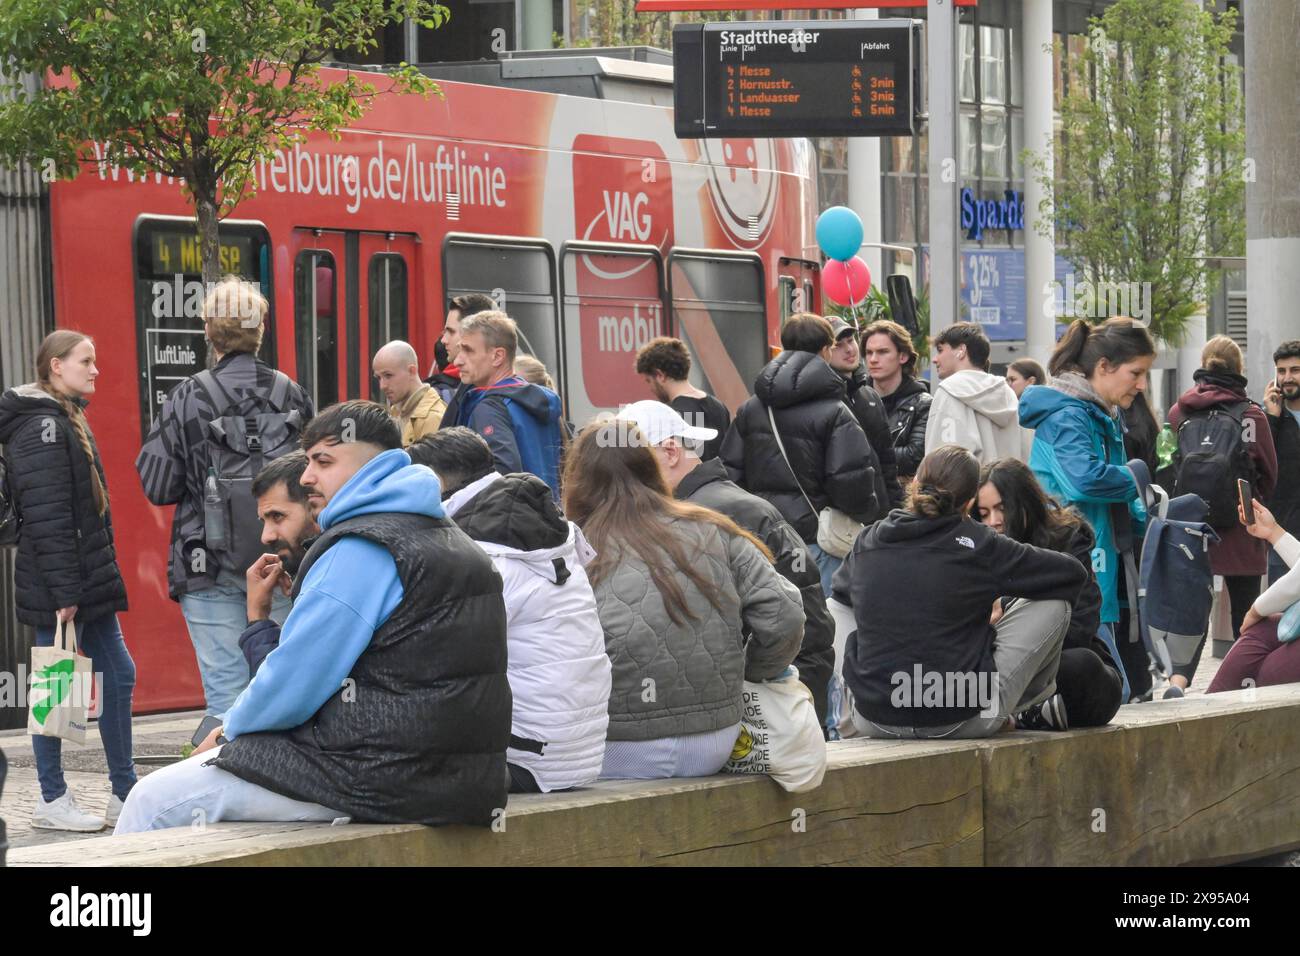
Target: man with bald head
[{"x": 417, "y": 407}]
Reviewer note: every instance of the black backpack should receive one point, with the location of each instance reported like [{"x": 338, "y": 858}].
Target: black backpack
[
  {"x": 11, "y": 521},
  {"x": 247, "y": 434},
  {"x": 1211, "y": 456}
]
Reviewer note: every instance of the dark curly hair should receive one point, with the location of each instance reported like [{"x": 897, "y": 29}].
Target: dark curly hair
[{"x": 664, "y": 355}]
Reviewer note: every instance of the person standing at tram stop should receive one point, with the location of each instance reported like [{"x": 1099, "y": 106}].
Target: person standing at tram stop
[
  {"x": 445, "y": 377},
  {"x": 199, "y": 430},
  {"x": 1078, "y": 457},
  {"x": 972, "y": 407},
  {"x": 664, "y": 364},
  {"x": 818, "y": 457},
  {"x": 865, "y": 404},
  {"x": 1240, "y": 557},
  {"x": 67, "y": 566},
  {"x": 416, "y": 406},
  {"x": 520, "y": 421},
  {"x": 891, "y": 363}
]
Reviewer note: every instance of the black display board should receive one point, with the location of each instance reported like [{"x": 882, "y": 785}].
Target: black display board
[{"x": 796, "y": 78}]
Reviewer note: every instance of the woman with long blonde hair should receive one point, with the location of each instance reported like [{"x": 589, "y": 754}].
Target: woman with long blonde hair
[
  {"x": 691, "y": 606},
  {"x": 67, "y": 567}
]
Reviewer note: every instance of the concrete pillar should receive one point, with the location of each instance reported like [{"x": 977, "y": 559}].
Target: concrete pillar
[
  {"x": 1040, "y": 251},
  {"x": 945, "y": 267},
  {"x": 1273, "y": 199},
  {"x": 865, "y": 186},
  {"x": 538, "y": 23}
]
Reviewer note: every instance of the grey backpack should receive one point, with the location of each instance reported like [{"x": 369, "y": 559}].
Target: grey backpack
[{"x": 247, "y": 434}]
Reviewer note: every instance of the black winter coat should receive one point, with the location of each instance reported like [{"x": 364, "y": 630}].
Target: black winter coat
[
  {"x": 1285, "y": 502},
  {"x": 65, "y": 551},
  {"x": 422, "y": 737},
  {"x": 709, "y": 487},
  {"x": 908, "y": 408},
  {"x": 869, "y": 409},
  {"x": 828, "y": 449}
]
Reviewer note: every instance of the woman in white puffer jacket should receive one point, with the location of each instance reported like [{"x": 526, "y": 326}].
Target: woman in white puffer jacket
[{"x": 558, "y": 670}]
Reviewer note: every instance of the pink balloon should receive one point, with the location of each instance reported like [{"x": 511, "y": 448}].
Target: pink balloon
[{"x": 846, "y": 283}]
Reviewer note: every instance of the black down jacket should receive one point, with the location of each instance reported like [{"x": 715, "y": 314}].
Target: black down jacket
[
  {"x": 827, "y": 448},
  {"x": 65, "y": 552}
]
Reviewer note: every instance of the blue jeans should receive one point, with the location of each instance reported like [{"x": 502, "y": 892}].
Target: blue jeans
[
  {"x": 827, "y": 564},
  {"x": 190, "y": 794},
  {"x": 216, "y": 616},
  {"x": 101, "y": 641}
]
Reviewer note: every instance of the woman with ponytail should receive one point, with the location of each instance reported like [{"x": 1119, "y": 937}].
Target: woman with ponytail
[
  {"x": 67, "y": 568},
  {"x": 1079, "y": 459},
  {"x": 934, "y": 654}
]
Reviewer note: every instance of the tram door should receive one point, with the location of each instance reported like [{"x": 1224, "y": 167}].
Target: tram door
[{"x": 352, "y": 292}]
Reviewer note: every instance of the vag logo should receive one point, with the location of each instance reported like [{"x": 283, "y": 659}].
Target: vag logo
[{"x": 75, "y": 908}]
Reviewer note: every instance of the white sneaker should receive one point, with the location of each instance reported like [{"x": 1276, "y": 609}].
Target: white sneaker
[
  {"x": 64, "y": 814},
  {"x": 114, "y": 810}
]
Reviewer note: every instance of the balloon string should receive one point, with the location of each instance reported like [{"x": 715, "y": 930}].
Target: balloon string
[{"x": 848, "y": 281}]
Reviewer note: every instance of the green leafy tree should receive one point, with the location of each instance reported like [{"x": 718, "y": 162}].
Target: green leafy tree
[
  {"x": 200, "y": 90},
  {"x": 1149, "y": 166}
]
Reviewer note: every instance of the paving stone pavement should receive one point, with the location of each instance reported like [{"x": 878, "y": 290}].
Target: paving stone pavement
[{"x": 85, "y": 771}]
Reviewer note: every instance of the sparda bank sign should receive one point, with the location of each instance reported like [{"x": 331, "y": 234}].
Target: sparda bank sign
[{"x": 980, "y": 214}]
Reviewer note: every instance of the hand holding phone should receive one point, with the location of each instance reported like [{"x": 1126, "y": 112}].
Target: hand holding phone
[
  {"x": 1247, "y": 501},
  {"x": 1273, "y": 399}
]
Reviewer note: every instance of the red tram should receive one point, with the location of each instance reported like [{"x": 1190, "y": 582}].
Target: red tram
[{"x": 592, "y": 224}]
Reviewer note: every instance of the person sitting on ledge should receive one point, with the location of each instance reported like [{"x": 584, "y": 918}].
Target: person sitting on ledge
[
  {"x": 928, "y": 659},
  {"x": 386, "y": 699}
]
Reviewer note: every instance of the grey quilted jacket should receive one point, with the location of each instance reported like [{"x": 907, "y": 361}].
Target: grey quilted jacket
[{"x": 674, "y": 679}]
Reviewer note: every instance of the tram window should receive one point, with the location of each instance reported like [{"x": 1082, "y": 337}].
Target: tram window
[
  {"x": 388, "y": 304},
  {"x": 521, "y": 280},
  {"x": 613, "y": 301},
  {"x": 724, "y": 295},
  {"x": 169, "y": 294},
  {"x": 786, "y": 297},
  {"x": 316, "y": 325}
]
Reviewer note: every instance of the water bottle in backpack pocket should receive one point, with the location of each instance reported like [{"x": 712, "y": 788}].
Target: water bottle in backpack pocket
[
  {"x": 247, "y": 434},
  {"x": 1211, "y": 456}
]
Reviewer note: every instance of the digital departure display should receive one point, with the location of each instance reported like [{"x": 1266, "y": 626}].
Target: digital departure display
[{"x": 795, "y": 78}]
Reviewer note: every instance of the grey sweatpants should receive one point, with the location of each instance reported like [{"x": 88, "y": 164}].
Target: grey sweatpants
[{"x": 1026, "y": 652}]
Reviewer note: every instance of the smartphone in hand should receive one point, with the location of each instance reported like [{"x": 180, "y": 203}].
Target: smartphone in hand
[
  {"x": 208, "y": 724},
  {"x": 1247, "y": 500}
]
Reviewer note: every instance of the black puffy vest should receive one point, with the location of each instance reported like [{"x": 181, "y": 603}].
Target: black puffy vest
[{"x": 422, "y": 736}]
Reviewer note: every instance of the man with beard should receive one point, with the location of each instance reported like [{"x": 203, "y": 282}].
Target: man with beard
[
  {"x": 288, "y": 512},
  {"x": 1282, "y": 404}
]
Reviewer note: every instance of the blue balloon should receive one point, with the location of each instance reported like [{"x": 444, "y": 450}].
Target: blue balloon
[{"x": 839, "y": 233}]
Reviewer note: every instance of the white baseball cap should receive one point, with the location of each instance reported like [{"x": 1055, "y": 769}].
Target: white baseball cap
[{"x": 658, "y": 422}]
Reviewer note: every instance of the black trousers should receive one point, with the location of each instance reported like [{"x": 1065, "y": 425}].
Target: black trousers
[{"x": 1092, "y": 689}]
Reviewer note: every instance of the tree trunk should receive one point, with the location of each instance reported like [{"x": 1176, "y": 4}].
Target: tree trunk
[{"x": 205, "y": 213}]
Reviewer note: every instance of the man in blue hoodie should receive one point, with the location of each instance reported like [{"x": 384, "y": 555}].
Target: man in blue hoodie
[
  {"x": 386, "y": 699},
  {"x": 519, "y": 421}
]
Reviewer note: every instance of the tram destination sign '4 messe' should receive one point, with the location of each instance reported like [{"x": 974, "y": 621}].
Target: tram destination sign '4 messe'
[{"x": 796, "y": 78}]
